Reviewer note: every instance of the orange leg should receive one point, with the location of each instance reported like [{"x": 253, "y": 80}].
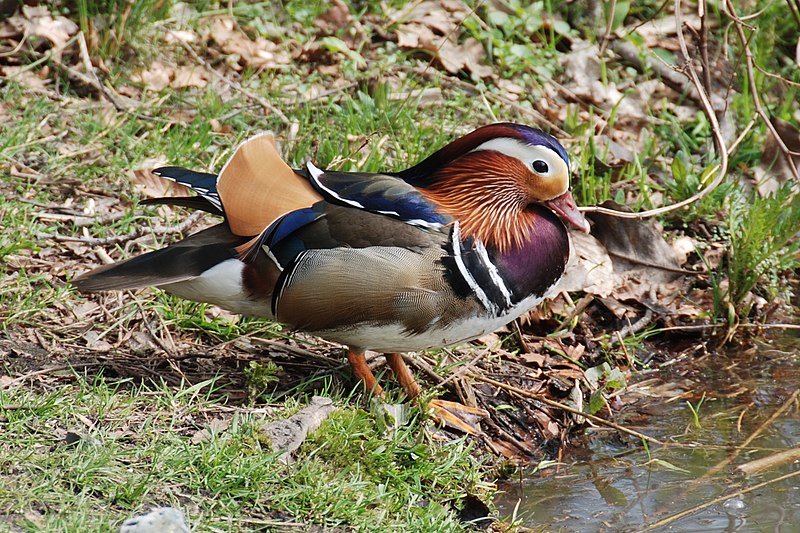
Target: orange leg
[
  {"x": 453, "y": 414},
  {"x": 403, "y": 375},
  {"x": 362, "y": 371}
]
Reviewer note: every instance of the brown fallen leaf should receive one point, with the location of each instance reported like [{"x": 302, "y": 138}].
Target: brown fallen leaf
[
  {"x": 335, "y": 18},
  {"x": 155, "y": 78},
  {"x": 589, "y": 269},
  {"x": 662, "y": 32},
  {"x": 193, "y": 76},
  {"x": 643, "y": 262},
  {"x": 583, "y": 76},
  {"x": 260, "y": 52},
  {"x": 24, "y": 77},
  {"x": 37, "y": 21},
  {"x": 214, "y": 427},
  {"x": 626, "y": 260},
  {"x": 433, "y": 27},
  {"x": 151, "y": 186},
  {"x": 533, "y": 359}
]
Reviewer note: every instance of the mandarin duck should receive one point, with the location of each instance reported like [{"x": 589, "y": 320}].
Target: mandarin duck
[{"x": 444, "y": 252}]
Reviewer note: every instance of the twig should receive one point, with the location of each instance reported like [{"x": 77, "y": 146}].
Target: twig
[
  {"x": 17, "y": 48},
  {"x": 702, "y": 9},
  {"x": 795, "y": 9},
  {"x": 708, "y": 108},
  {"x": 464, "y": 369},
  {"x": 636, "y": 327},
  {"x": 137, "y": 234},
  {"x": 295, "y": 350},
  {"x": 677, "y": 516},
  {"x": 558, "y": 405},
  {"x": 751, "y": 79},
  {"x": 735, "y": 453},
  {"x": 612, "y": 9},
  {"x": 696, "y": 327},
  {"x": 423, "y": 365},
  {"x": 42, "y": 371},
  {"x": 770, "y": 461},
  {"x": 91, "y": 78}
]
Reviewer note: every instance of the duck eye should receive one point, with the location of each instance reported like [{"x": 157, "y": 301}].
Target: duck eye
[{"x": 540, "y": 166}]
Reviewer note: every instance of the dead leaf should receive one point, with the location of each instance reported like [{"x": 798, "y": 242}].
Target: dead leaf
[
  {"x": 261, "y": 53},
  {"x": 37, "y": 21},
  {"x": 214, "y": 427},
  {"x": 583, "y": 75},
  {"x": 23, "y": 76},
  {"x": 633, "y": 242},
  {"x": 151, "y": 186},
  {"x": 624, "y": 260},
  {"x": 185, "y": 36},
  {"x": 95, "y": 342},
  {"x": 155, "y": 78},
  {"x": 644, "y": 263},
  {"x": 589, "y": 269},
  {"x": 194, "y": 76},
  {"x": 473, "y": 57},
  {"x": 533, "y": 359},
  {"x": 335, "y": 18},
  {"x": 662, "y": 33},
  {"x": 433, "y": 27},
  {"x": 83, "y": 310},
  {"x": 683, "y": 246},
  {"x": 550, "y": 428},
  {"x": 511, "y": 90}
]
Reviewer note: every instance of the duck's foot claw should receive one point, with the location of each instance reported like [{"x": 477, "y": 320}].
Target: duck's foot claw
[{"x": 457, "y": 415}]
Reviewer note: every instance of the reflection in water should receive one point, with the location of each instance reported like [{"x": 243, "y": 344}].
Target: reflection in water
[{"x": 611, "y": 485}]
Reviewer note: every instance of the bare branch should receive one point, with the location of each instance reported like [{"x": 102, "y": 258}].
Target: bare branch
[
  {"x": 751, "y": 79},
  {"x": 722, "y": 149}
]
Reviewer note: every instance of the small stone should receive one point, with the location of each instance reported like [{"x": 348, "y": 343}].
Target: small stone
[{"x": 160, "y": 520}]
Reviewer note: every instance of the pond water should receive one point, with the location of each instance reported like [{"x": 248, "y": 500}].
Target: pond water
[{"x": 611, "y": 484}]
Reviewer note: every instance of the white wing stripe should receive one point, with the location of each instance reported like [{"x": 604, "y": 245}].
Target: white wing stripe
[{"x": 316, "y": 173}]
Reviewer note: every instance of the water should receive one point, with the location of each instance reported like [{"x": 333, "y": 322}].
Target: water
[{"x": 609, "y": 484}]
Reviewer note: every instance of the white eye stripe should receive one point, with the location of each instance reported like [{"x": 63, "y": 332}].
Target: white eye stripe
[{"x": 528, "y": 154}]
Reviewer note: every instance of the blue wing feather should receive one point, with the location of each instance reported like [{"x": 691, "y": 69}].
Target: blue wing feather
[
  {"x": 378, "y": 193},
  {"x": 275, "y": 236}
]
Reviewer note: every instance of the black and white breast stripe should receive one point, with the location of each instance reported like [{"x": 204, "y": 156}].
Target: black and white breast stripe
[{"x": 479, "y": 272}]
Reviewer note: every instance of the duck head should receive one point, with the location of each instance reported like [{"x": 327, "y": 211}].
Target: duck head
[{"x": 495, "y": 180}]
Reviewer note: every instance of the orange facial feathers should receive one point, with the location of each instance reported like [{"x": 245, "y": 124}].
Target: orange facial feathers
[{"x": 487, "y": 192}]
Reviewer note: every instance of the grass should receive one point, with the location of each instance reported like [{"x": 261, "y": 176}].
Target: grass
[
  {"x": 81, "y": 450},
  {"x": 134, "y": 448},
  {"x": 761, "y": 235},
  {"x": 97, "y": 452}
]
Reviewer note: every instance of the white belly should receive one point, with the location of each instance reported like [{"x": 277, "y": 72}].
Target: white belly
[
  {"x": 394, "y": 338},
  {"x": 221, "y": 285}
]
